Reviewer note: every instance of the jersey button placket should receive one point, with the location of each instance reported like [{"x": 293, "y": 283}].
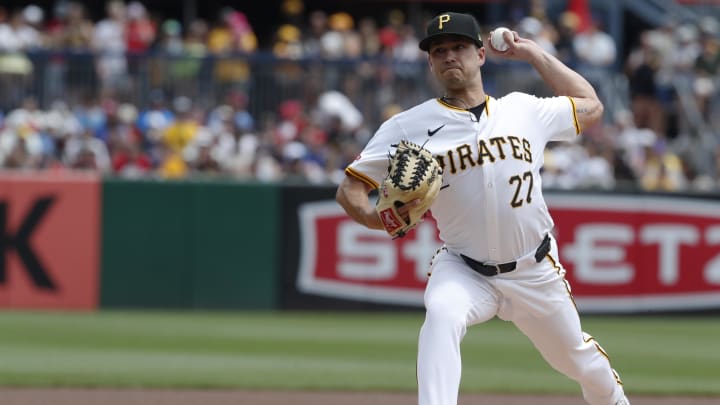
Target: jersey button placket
[{"x": 492, "y": 213}]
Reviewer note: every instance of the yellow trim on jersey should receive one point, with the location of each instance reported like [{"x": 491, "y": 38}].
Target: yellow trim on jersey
[
  {"x": 365, "y": 179},
  {"x": 575, "y": 118},
  {"x": 450, "y": 106}
]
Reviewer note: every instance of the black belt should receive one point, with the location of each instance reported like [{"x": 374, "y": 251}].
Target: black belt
[{"x": 490, "y": 270}]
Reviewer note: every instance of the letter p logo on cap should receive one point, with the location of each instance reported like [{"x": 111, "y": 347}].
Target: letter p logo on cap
[{"x": 442, "y": 20}]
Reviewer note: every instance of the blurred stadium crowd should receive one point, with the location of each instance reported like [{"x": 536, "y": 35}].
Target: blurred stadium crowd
[{"x": 135, "y": 96}]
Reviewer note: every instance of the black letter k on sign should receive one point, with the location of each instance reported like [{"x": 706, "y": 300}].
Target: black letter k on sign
[{"x": 21, "y": 242}]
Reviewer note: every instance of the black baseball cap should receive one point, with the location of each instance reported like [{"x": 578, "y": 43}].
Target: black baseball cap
[{"x": 452, "y": 24}]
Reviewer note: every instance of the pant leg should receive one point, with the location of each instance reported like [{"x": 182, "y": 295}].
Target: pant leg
[
  {"x": 455, "y": 298},
  {"x": 560, "y": 340}
]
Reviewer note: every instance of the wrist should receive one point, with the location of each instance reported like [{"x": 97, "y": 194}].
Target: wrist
[
  {"x": 537, "y": 56},
  {"x": 372, "y": 220}
]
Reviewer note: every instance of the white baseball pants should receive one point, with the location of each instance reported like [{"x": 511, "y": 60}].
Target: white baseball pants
[{"x": 535, "y": 297}]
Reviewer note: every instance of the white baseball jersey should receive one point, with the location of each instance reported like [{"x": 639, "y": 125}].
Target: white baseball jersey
[{"x": 491, "y": 206}]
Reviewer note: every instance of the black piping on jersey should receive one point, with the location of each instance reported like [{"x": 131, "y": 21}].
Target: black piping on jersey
[
  {"x": 558, "y": 269},
  {"x": 603, "y": 353},
  {"x": 589, "y": 339}
]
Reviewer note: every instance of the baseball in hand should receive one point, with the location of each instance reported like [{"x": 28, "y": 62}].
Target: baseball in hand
[{"x": 497, "y": 40}]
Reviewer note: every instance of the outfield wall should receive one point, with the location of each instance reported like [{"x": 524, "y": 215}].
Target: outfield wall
[
  {"x": 79, "y": 242},
  {"x": 200, "y": 245}
]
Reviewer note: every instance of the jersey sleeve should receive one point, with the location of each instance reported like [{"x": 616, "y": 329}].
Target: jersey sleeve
[
  {"x": 371, "y": 165},
  {"x": 558, "y": 115}
]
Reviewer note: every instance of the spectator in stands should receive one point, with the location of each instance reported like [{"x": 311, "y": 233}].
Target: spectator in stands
[
  {"x": 232, "y": 115},
  {"x": 561, "y": 161},
  {"x": 16, "y": 69},
  {"x": 707, "y": 72},
  {"x": 337, "y": 114},
  {"x": 183, "y": 130},
  {"x": 199, "y": 156},
  {"x": 311, "y": 37},
  {"x": 533, "y": 28},
  {"x": 230, "y": 36},
  {"x": 317, "y": 154},
  {"x": 179, "y": 133},
  {"x": 288, "y": 47},
  {"x": 236, "y": 144},
  {"x": 87, "y": 152},
  {"x": 127, "y": 156},
  {"x": 71, "y": 73},
  {"x": 630, "y": 143},
  {"x": 292, "y": 11},
  {"x": 267, "y": 167},
  {"x": 642, "y": 68},
  {"x": 166, "y": 51},
  {"x": 389, "y": 33},
  {"x": 92, "y": 115},
  {"x": 687, "y": 48},
  {"x": 293, "y": 162},
  {"x": 368, "y": 30},
  {"x": 594, "y": 47},
  {"x": 140, "y": 31},
  {"x": 186, "y": 73},
  {"x": 288, "y": 42},
  {"x": 121, "y": 126},
  {"x": 34, "y": 32},
  {"x": 22, "y": 144},
  {"x": 109, "y": 44},
  {"x": 542, "y": 33},
  {"x": 152, "y": 124},
  {"x": 242, "y": 118},
  {"x": 130, "y": 161},
  {"x": 597, "y": 54},
  {"x": 61, "y": 124},
  {"x": 597, "y": 169},
  {"x": 567, "y": 26},
  {"x": 406, "y": 52},
  {"x": 292, "y": 119},
  {"x": 663, "y": 170},
  {"x": 14, "y": 153},
  {"x": 332, "y": 42}
]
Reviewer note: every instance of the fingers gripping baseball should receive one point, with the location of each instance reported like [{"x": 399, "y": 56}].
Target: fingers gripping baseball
[
  {"x": 508, "y": 44},
  {"x": 498, "y": 40}
]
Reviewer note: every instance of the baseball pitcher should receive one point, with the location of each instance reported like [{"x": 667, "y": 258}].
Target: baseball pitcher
[{"x": 499, "y": 257}]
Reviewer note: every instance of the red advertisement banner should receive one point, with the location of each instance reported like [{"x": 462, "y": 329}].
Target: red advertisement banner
[
  {"x": 49, "y": 241},
  {"x": 623, "y": 254}
]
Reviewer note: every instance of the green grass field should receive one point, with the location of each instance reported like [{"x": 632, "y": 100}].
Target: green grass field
[{"x": 347, "y": 351}]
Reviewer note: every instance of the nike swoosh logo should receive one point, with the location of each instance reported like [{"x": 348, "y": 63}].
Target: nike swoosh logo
[{"x": 432, "y": 132}]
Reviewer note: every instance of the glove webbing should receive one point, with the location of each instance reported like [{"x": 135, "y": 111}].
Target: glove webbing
[{"x": 402, "y": 162}]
